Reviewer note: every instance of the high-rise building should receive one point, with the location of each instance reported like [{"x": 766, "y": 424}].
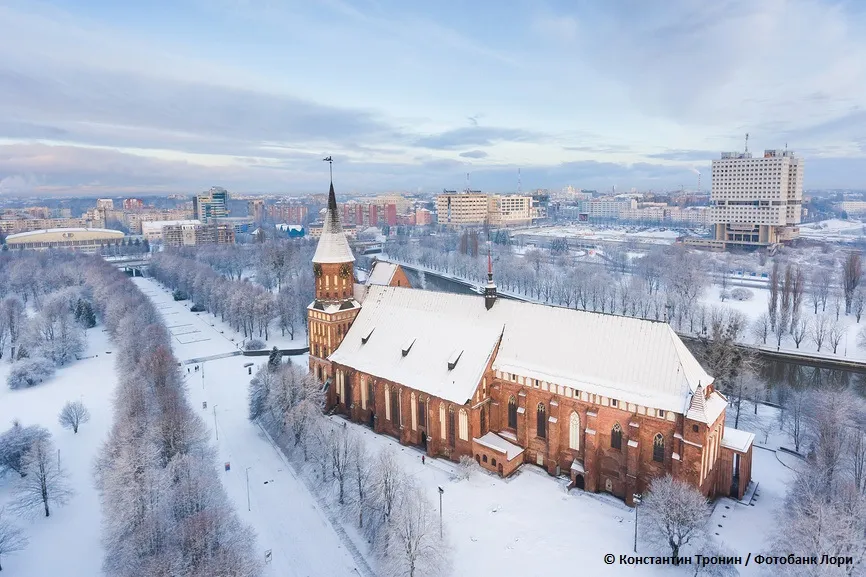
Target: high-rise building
[
  {"x": 256, "y": 209},
  {"x": 211, "y": 204},
  {"x": 756, "y": 201},
  {"x": 105, "y": 203}
]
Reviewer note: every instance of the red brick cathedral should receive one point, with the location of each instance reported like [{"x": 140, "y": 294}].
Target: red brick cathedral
[{"x": 611, "y": 401}]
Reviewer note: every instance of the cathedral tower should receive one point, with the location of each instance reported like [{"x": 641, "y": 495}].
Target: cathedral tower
[{"x": 334, "y": 307}]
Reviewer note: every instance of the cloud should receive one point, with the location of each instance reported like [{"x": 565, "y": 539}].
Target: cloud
[
  {"x": 474, "y": 154},
  {"x": 476, "y": 136}
]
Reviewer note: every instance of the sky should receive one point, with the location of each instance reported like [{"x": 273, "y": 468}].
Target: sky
[{"x": 175, "y": 96}]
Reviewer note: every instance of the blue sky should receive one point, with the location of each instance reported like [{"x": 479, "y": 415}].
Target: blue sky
[{"x": 104, "y": 97}]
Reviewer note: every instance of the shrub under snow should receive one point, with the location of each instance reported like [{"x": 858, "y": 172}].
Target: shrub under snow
[
  {"x": 29, "y": 372},
  {"x": 254, "y": 345}
]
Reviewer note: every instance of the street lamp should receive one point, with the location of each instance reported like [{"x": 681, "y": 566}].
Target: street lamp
[
  {"x": 636, "y": 498},
  {"x": 441, "y": 492},
  {"x": 248, "y": 489},
  {"x": 215, "y": 424}
]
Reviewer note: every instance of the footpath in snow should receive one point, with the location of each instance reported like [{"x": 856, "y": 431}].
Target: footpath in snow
[{"x": 285, "y": 516}]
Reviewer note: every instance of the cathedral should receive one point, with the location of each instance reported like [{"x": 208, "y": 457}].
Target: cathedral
[{"x": 609, "y": 401}]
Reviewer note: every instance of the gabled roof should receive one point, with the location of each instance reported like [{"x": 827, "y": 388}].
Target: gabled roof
[
  {"x": 632, "y": 360},
  {"x": 382, "y": 273},
  {"x": 435, "y": 324},
  {"x": 333, "y": 246}
]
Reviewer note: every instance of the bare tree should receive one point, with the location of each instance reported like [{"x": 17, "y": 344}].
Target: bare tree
[
  {"x": 340, "y": 447},
  {"x": 44, "y": 483},
  {"x": 73, "y": 414},
  {"x": 799, "y": 330},
  {"x": 387, "y": 481},
  {"x": 857, "y": 458},
  {"x": 852, "y": 273},
  {"x": 836, "y": 300},
  {"x": 773, "y": 300},
  {"x": 12, "y": 308},
  {"x": 858, "y": 303},
  {"x": 798, "y": 288},
  {"x": 710, "y": 548},
  {"x": 796, "y": 406},
  {"x": 836, "y": 333},
  {"x": 413, "y": 546},
  {"x": 674, "y": 514},
  {"x": 819, "y": 330},
  {"x": 11, "y": 538},
  {"x": 761, "y": 328},
  {"x": 362, "y": 474}
]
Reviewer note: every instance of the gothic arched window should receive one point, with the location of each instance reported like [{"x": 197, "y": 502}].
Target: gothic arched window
[
  {"x": 512, "y": 413},
  {"x": 541, "y": 420},
  {"x": 616, "y": 437},
  {"x": 659, "y": 448},
  {"x": 574, "y": 431}
]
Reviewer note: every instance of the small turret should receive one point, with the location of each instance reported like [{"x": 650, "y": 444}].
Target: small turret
[{"x": 490, "y": 289}]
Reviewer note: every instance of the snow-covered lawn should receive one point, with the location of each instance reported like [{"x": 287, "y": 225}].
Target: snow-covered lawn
[
  {"x": 757, "y": 305},
  {"x": 67, "y": 543},
  {"x": 284, "y": 514},
  {"x": 517, "y": 526},
  {"x": 202, "y": 334}
]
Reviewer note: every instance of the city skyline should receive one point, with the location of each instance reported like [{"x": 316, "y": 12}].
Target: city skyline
[{"x": 99, "y": 98}]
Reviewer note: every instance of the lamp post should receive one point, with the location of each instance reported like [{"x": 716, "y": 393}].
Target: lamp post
[
  {"x": 249, "y": 508},
  {"x": 441, "y": 492},
  {"x": 215, "y": 424},
  {"x": 636, "y": 498}
]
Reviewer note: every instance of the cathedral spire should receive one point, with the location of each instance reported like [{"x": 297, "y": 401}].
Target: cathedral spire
[{"x": 333, "y": 246}]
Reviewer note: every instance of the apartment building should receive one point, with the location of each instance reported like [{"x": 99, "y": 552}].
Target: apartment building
[
  {"x": 756, "y": 201},
  {"x": 177, "y": 235}
]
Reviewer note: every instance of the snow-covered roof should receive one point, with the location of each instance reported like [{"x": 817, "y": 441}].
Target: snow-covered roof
[
  {"x": 737, "y": 440},
  {"x": 332, "y": 308},
  {"x": 382, "y": 273},
  {"x": 705, "y": 409},
  {"x": 497, "y": 443},
  {"x": 18, "y": 235},
  {"x": 333, "y": 246},
  {"x": 439, "y": 324},
  {"x": 632, "y": 360}
]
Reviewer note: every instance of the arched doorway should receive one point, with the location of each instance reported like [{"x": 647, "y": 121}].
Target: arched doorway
[
  {"x": 424, "y": 440},
  {"x": 372, "y": 420},
  {"x": 579, "y": 482}
]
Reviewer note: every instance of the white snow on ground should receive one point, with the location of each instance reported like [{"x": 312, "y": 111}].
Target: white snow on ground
[
  {"x": 608, "y": 234},
  {"x": 285, "y": 516},
  {"x": 757, "y": 305},
  {"x": 202, "y": 334},
  {"x": 511, "y": 526},
  {"x": 68, "y": 542},
  {"x": 833, "y": 229}
]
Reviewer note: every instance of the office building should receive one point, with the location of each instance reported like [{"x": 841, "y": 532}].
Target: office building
[
  {"x": 756, "y": 201},
  {"x": 211, "y": 204}
]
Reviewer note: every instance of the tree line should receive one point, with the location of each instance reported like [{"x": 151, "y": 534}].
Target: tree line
[{"x": 371, "y": 491}]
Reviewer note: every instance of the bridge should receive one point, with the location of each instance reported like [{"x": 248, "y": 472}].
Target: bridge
[{"x": 131, "y": 265}]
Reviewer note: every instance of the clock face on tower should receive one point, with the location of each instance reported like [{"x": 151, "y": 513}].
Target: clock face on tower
[{"x": 345, "y": 270}]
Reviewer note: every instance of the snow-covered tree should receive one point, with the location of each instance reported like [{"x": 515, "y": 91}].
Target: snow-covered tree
[
  {"x": 12, "y": 309},
  {"x": 275, "y": 359},
  {"x": 73, "y": 414},
  {"x": 30, "y": 372},
  {"x": 44, "y": 482},
  {"x": 413, "y": 546},
  {"x": 673, "y": 514},
  {"x": 12, "y": 539},
  {"x": 15, "y": 441}
]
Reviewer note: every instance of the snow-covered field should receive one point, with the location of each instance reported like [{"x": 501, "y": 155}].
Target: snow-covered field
[
  {"x": 833, "y": 230},
  {"x": 284, "y": 514},
  {"x": 68, "y": 542},
  {"x": 754, "y": 307},
  {"x": 613, "y": 234}
]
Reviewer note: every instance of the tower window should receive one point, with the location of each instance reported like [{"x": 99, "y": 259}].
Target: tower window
[{"x": 616, "y": 437}]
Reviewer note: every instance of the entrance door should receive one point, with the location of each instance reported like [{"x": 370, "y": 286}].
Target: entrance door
[
  {"x": 735, "y": 478},
  {"x": 578, "y": 482},
  {"x": 424, "y": 440},
  {"x": 372, "y": 419}
]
